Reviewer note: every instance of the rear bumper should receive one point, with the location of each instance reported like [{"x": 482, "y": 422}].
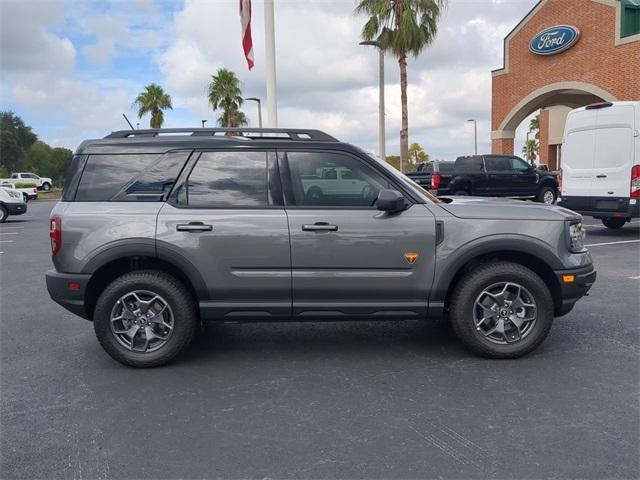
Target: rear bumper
[
  {"x": 603, "y": 207},
  {"x": 571, "y": 292},
  {"x": 16, "y": 208},
  {"x": 59, "y": 291}
]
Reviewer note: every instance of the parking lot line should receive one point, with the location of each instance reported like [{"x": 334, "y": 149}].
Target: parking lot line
[
  {"x": 6, "y": 241},
  {"x": 8, "y": 233},
  {"x": 630, "y": 278},
  {"x": 611, "y": 243}
]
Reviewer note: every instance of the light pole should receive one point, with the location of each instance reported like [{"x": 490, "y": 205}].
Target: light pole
[
  {"x": 381, "y": 134},
  {"x": 475, "y": 134},
  {"x": 203, "y": 122},
  {"x": 257, "y": 100}
]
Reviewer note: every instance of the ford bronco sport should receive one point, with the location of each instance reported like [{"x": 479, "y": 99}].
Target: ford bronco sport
[{"x": 158, "y": 231}]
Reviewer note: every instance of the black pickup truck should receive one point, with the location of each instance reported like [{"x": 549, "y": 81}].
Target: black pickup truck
[{"x": 488, "y": 176}]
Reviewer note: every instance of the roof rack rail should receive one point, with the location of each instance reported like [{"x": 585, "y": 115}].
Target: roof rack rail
[{"x": 250, "y": 133}]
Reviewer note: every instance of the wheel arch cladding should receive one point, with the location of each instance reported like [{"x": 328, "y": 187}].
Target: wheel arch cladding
[
  {"x": 112, "y": 269},
  {"x": 534, "y": 257}
]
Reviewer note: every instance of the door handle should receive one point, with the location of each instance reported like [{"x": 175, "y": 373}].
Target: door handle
[
  {"x": 193, "y": 227},
  {"x": 601, "y": 176},
  {"x": 320, "y": 227}
]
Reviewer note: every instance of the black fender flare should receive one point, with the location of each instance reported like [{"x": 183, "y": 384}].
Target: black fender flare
[
  {"x": 483, "y": 246},
  {"x": 148, "y": 248}
]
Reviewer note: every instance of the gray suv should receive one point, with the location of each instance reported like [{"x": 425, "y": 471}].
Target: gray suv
[{"x": 161, "y": 230}]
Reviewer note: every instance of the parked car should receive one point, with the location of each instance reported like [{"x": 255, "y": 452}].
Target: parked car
[
  {"x": 601, "y": 162},
  {"x": 213, "y": 227},
  {"x": 28, "y": 193},
  {"x": 11, "y": 203},
  {"x": 495, "y": 176},
  {"x": 42, "y": 183},
  {"x": 430, "y": 175}
]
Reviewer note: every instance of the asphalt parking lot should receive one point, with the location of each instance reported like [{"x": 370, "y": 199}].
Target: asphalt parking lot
[{"x": 333, "y": 400}]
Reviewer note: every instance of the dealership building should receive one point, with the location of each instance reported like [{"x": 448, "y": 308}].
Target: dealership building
[{"x": 564, "y": 54}]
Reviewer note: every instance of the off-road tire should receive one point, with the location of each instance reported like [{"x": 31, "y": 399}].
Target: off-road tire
[
  {"x": 613, "y": 223},
  {"x": 469, "y": 288},
  {"x": 177, "y": 296}
]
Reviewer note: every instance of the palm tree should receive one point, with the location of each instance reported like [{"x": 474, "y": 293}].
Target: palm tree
[
  {"x": 534, "y": 126},
  {"x": 225, "y": 95},
  {"x": 402, "y": 27},
  {"x": 530, "y": 150},
  {"x": 153, "y": 100}
]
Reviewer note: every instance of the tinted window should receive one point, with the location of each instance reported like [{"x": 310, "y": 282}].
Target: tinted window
[
  {"x": 469, "y": 164},
  {"x": 497, "y": 164},
  {"x": 315, "y": 182},
  {"x": 519, "y": 164},
  {"x": 227, "y": 179},
  {"x": 154, "y": 183},
  {"x": 105, "y": 176},
  {"x": 445, "y": 167},
  {"x": 71, "y": 178}
]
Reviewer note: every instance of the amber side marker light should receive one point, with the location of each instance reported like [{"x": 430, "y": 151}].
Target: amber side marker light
[{"x": 568, "y": 278}]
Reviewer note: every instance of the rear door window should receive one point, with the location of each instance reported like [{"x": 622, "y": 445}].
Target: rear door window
[
  {"x": 236, "y": 179},
  {"x": 497, "y": 164}
]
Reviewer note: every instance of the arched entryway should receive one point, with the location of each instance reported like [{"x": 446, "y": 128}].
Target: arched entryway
[{"x": 569, "y": 94}]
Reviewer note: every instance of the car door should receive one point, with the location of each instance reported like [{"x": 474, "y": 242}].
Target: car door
[
  {"x": 524, "y": 177},
  {"x": 499, "y": 176},
  {"x": 226, "y": 221},
  {"x": 348, "y": 259}
]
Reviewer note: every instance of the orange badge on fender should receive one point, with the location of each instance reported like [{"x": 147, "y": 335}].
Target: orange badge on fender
[{"x": 410, "y": 257}]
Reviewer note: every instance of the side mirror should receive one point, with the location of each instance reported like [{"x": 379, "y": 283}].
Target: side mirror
[{"x": 391, "y": 201}]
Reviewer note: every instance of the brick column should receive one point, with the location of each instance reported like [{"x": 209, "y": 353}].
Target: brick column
[{"x": 502, "y": 146}]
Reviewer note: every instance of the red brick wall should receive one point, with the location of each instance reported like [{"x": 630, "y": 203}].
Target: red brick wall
[{"x": 595, "y": 59}]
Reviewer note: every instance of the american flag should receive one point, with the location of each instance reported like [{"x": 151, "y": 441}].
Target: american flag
[{"x": 245, "y": 20}]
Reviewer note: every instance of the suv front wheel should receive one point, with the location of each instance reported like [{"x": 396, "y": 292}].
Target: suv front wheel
[
  {"x": 145, "y": 318},
  {"x": 501, "y": 310}
]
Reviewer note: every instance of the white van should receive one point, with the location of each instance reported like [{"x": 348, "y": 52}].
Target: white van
[{"x": 601, "y": 162}]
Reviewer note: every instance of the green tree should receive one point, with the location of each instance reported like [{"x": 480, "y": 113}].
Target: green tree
[
  {"x": 225, "y": 94},
  {"x": 15, "y": 139},
  {"x": 394, "y": 161},
  {"x": 46, "y": 161},
  {"x": 402, "y": 27},
  {"x": 153, "y": 100},
  {"x": 417, "y": 155},
  {"x": 530, "y": 150},
  {"x": 534, "y": 126}
]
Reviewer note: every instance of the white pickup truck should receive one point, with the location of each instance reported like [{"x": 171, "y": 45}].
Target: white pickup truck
[
  {"x": 42, "y": 183},
  {"x": 334, "y": 181},
  {"x": 28, "y": 193},
  {"x": 11, "y": 203}
]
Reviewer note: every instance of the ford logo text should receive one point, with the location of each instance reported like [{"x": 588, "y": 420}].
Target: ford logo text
[{"x": 554, "y": 40}]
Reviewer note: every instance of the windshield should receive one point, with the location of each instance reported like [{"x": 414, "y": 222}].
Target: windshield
[{"x": 402, "y": 177}]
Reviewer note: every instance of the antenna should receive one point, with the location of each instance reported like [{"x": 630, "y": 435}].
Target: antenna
[{"x": 125, "y": 117}]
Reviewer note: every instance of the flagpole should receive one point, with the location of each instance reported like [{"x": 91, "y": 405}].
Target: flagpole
[{"x": 270, "y": 63}]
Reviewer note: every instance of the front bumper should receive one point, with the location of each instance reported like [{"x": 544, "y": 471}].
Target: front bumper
[
  {"x": 58, "y": 286},
  {"x": 16, "y": 208},
  {"x": 571, "y": 292},
  {"x": 603, "y": 207}
]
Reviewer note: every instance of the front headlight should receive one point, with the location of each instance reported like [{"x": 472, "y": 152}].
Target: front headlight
[{"x": 576, "y": 237}]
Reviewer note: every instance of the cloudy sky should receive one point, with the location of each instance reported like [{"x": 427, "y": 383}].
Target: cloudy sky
[{"x": 70, "y": 68}]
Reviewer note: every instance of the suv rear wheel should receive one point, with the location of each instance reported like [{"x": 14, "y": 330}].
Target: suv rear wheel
[
  {"x": 145, "y": 318},
  {"x": 501, "y": 310}
]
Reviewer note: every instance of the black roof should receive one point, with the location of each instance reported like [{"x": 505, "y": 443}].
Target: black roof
[{"x": 160, "y": 140}]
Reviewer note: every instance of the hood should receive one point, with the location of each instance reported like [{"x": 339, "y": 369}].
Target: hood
[{"x": 505, "y": 209}]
